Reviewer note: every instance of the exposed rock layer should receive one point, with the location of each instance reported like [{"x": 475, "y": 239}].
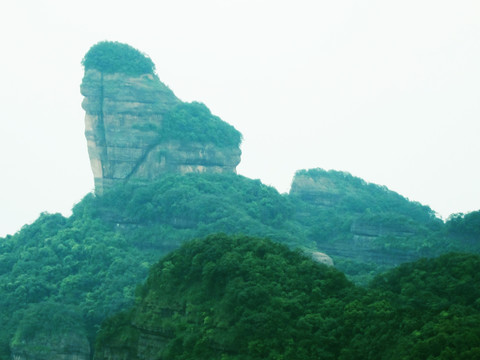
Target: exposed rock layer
[
  {"x": 329, "y": 192},
  {"x": 68, "y": 346},
  {"x": 123, "y": 127},
  {"x": 315, "y": 190}
]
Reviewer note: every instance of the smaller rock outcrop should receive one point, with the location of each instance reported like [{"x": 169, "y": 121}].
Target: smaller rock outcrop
[
  {"x": 319, "y": 190},
  {"x": 366, "y": 221},
  {"x": 322, "y": 258},
  {"x": 331, "y": 188}
]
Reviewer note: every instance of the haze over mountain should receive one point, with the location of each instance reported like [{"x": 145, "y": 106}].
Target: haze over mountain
[{"x": 237, "y": 258}]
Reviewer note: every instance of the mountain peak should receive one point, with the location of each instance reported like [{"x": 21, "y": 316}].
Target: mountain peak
[{"x": 137, "y": 129}]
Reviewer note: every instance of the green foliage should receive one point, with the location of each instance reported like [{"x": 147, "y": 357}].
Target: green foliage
[
  {"x": 47, "y": 318},
  {"x": 111, "y": 57},
  {"x": 386, "y": 227},
  {"x": 437, "y": 305},
  {"x": 200, "y": 204},
  {"x": 434, "y": 284},
  {"x": 355, "y": 195},
  {"x": 93, "y": 261},
  {"x": 67, "y": 262},
  {"x": 118, "y": 332},
  {"x": 193, "y": 122},
  {"x": 241, "y": 297},
  {"x": 465, "y": 227}
]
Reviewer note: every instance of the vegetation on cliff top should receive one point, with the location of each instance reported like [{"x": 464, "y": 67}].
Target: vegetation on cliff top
[
  {"x": 111, "y": 57},
  {"x": 232, "y": 298},
  {"x": 185, "y": 122},
  {"x": 193, "y": 122},
  {"x": 356, "y": 195}
]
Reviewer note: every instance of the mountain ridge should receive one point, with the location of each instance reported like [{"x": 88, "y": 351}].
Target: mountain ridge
[{"x": 144, "y": 208}]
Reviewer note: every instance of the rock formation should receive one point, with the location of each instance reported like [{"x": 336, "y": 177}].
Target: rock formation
[
  {"x": 322, "y": 258},
  {"x": 124, "y": 125},
  {"x": 66, "y": 346},
  {"x": 372, "y": 217},
  {"x": 318, "y": 189}
]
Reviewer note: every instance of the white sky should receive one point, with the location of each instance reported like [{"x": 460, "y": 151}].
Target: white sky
[{"x": 386, "y": 90}]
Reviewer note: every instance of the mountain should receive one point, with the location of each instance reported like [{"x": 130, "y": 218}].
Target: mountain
[
  {"x": 137, "y": 129},
  {"x": 225, "y": 297},
  {"x": 239, "y": 297},
  {"x": 165, "y": 174},
  {"x": 352, "y": 219}
]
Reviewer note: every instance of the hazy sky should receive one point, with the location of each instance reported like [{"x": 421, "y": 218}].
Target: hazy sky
[{"x": 386, "y": 90}]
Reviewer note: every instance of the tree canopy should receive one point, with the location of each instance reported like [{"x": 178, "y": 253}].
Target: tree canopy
[
  {"x": 193, "y": 122},
  {"x": 111, "y": 57},
  {"x": 233, "y": 298}
]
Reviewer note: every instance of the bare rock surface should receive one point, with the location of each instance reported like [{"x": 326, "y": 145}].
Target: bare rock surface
[{"x": 124, "y": 130}]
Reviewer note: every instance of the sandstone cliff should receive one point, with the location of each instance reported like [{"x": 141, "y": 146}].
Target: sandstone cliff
[
  {"x": 125, "y": 128},
  {"x": 66, "y": 346},
  {"x": 315, "y": 189}
]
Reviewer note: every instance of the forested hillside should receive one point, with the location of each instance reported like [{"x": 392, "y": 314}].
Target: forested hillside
[
  {"x": 86, "y": 267},
  {"x": 91, "y": 262},
  {"x": 249, "y": 298}
]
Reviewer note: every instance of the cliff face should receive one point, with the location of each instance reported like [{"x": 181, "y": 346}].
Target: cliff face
[
  {"x": 319, "y": 190},
  {"x": 123, "y": 126},
  {"x": 149, "y": 344},
  {"x": 67, "y": 346}
]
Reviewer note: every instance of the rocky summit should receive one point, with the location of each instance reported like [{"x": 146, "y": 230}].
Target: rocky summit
[{"x": 137, "y": 129}]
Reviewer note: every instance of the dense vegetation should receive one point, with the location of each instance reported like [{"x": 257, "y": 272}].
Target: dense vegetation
[
  {"x": 249, "y": 298},
  {"x": 353, "y": 194},
  {"x": 180, "y": 207},
  {"x": 90, "y": 263},
  {"x": 238, "y": 295},
  {"x": 111, "y": 57},
  {"x": 72, "y": 262},
  {"x": 465, "y": 228},
  {"x": 193, "y": 122},
  {"x": 365, "y": 227},
  {"x": 93, "y": 260}
]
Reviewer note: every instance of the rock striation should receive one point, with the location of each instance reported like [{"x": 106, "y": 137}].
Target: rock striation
[
  {"x": 66, "y": 346},
  {"x": 317, "y": 189},
  {"x": 124, "y": 128}
]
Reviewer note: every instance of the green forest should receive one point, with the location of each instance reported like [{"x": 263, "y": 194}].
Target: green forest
[
  {"x": 238, "y": 297},
  {"x": 87, "y": 268}
]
